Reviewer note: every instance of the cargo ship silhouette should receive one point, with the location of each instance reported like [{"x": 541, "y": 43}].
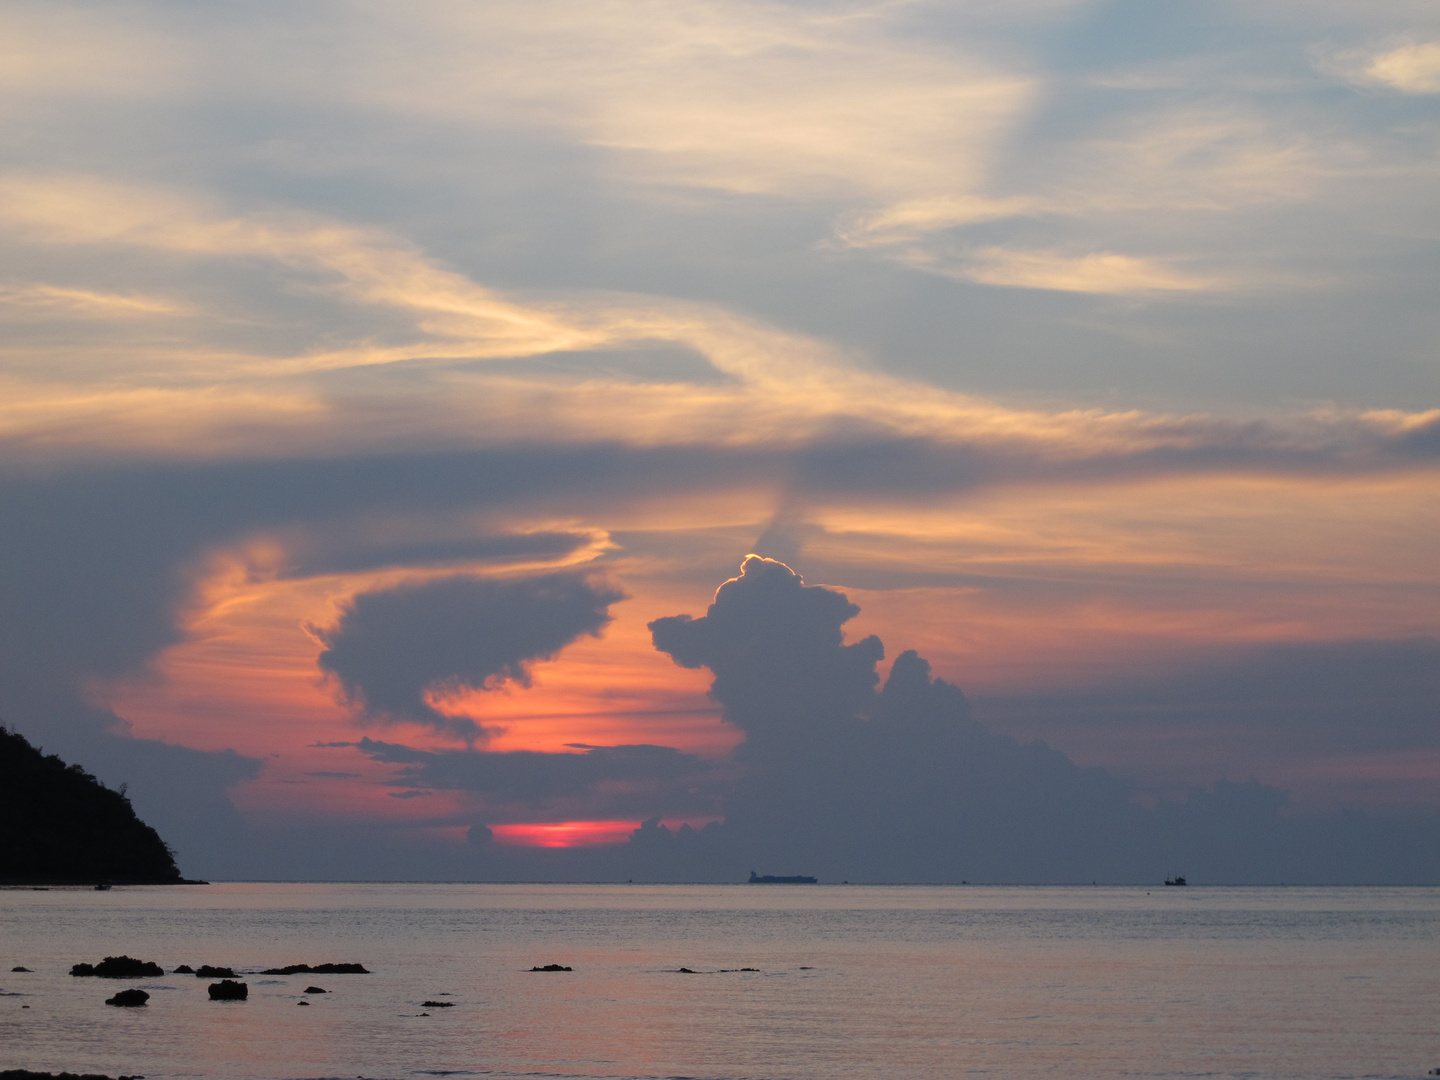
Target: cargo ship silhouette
[{"x": 773, "y": 879}]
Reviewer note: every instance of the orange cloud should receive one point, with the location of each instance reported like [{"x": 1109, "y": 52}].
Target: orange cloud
[{"x": 563, "y": 834}]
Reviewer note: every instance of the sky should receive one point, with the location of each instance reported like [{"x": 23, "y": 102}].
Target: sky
[{"x": 903, "y": 441}]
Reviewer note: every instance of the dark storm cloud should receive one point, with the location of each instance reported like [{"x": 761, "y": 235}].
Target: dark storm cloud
[
  {"x": 904, "y": 784},
  {"x": 602, "y": 782},
  {"x": 392, "y": 645}
]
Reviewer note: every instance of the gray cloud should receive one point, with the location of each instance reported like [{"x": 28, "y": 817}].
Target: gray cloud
[
  {"x": 774, "y": 645},
  {"x": 392, "y": 645},
  {"x": 904, "y": 784},
  {"x": 479, "y": 834}
]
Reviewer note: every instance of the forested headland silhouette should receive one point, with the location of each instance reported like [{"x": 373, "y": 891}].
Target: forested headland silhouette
[{"x": 61, "y": 826}]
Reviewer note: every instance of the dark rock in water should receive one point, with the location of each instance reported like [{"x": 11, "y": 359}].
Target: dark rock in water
[
  {"x": 684, "y": 971},
  {"x": 552, "y": 967},
  {"x": 316, "y": 990},
  {"x": 302, "y": 1003},
  {"x": 26, "y": 1074},
  {"x": 129, "y": 997},
  {"x": 61, "y": 826},
  {"x": 19, "y": 969},
  {"x": 437, "y": 1004},
  {"x": 229, "y": 990},
  {"x": 184, "y": 969},
  {"x": 126, "y": 967},
  {"x": 318, "y": 969},
  {"x": 205, "y": 971},
  {"x": 120, "y": 967}
]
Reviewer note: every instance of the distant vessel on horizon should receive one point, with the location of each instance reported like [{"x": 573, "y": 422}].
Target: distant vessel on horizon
[
  {"x": 773, "y": 879},
  {"x": 1178, "y": 879}
]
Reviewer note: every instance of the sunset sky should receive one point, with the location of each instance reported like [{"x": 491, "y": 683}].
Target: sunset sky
[{"x": 375, "y": 374}]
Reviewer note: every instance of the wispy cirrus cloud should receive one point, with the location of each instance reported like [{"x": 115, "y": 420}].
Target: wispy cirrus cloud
[
  {"x": 1412, "y": 69},
  {"x": 57, "y": 301},
  {"x": 74, "y": 51},
  {"x": 781, "y": 388},
  {"x": 1102, "y": 272}
]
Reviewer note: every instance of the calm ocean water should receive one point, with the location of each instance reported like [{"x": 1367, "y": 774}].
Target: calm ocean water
[{"x": 893, "y": 982}]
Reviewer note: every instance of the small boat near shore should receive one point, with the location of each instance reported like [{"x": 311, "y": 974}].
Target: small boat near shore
[{"x": 775, "y": 879}]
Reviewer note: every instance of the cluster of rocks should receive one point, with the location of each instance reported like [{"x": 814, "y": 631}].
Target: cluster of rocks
[
  {"x": 120, "y": 967},
  {"x": 227, "y": 989},
  {"x": 719, "y": 971},
  {"x": 318, "y": 969}
]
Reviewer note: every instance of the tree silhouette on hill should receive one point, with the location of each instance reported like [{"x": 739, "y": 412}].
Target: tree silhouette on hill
[{"x": 60, "y": 826}]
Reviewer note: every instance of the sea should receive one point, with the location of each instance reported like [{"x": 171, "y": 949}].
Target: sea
[{"x": 810, "y": 982}]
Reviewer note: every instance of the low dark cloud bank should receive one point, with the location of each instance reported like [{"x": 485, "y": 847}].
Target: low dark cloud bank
[
  {"x": 1289, "y": 709},
  {"x": 392, "y": 645},
  {"x": 600, "y": 782}
]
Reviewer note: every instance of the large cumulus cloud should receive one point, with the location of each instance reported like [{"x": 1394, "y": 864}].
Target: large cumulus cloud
[
  {"x": 902, "y": 784},
  {"x": 774, "y": 645},
  {"x": 390, "y": 647}
]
